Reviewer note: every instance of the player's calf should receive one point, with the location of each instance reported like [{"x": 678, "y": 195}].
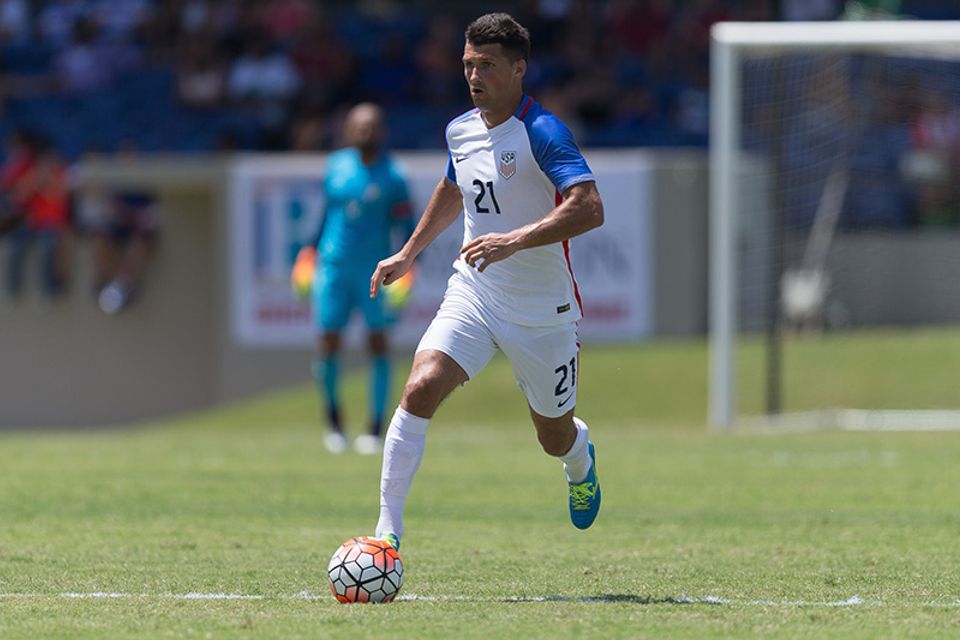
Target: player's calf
[{"x": 580, "y": 467}]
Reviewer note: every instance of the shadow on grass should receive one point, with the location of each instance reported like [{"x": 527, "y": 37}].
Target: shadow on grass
[{"x": 627, "y": 598}]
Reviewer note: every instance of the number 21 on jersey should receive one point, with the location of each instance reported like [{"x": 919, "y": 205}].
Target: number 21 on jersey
[{"x": 482, "y": 190}]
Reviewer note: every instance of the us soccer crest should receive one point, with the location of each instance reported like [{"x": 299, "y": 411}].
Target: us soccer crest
[{"x": 507, "y": 164}]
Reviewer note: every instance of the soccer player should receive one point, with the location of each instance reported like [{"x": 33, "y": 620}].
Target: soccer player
[
  {"x": 366, "y": 201},
  {"x": 525, "y": 189}
]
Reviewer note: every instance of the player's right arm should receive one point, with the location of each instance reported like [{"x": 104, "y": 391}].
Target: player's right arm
[{"x": 444, "y": 207}]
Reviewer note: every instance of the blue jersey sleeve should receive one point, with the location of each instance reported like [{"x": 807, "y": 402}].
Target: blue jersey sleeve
[
  {"x": 556, "y": 151},
  {"x": 451, "y": 172}
]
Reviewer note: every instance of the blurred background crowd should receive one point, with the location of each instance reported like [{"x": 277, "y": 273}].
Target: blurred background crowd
[
  {"x": 200, "y": 76},
  {"x": 197, "y": 75}
]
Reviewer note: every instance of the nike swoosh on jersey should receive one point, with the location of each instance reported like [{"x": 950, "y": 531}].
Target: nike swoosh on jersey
[
  {"x": 560, "y": 404},
  {"x": 459, "y": 159}
]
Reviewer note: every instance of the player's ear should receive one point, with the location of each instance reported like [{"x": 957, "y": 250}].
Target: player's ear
[{"x": 521, "y": 68}]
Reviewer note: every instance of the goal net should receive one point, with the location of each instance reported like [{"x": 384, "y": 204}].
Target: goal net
[{"x": 835, "y": 225}]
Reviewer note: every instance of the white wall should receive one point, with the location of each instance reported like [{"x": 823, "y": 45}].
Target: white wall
[{"x": 276, "y": 203}]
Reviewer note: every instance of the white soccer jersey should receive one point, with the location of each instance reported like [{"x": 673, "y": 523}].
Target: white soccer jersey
[{"x": 512, "y": 175}]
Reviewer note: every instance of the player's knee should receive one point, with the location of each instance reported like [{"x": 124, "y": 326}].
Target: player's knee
[
  {"x": 378, "y": 343},
  {"x": 433, "y": 377},
  {"x": 423, "y": 392},
  {"x": 329, "y": 343},
  {"x": 556, "y": 435}
]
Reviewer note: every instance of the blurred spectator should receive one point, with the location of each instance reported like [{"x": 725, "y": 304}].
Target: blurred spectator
[
  {"x": 936, "y": 124},
  {"x": 204, "y": 15},
  {"x": 819, "y": 133},
  {"x": 263, "y": 74},
  {"x": 932, "y": 164},
  {"x": 20, "y": 155},
  {"x": 14, "y": 22},
  {"x": 692, "y": 109},
  {"x": 639, "y": 25},
  {"x": 389, "y": 77},
  {"x": 122, "y": 248},
  {"x": 325, "y": 63},
  {"x": 876, "y": 196},
  {"x": 124, "y": 223},
  {"x": 871, "y": 9},
  {"x": 757, "y": 11},
  {"x": 265, "y": 81},
  {"x": 545, "y": 21},
  {"x": 84, "y": 64},
  {"x": 635, "y": 109},
  {"x": 227, "y": 141},
  {"x": 284, "y": 20},
  {"x": 121, "y": 20},
  {"x": 807, "y": 10},
  {"x": 594, "y": 96},
  {"x": 195, "y": 15},
  {"x": 696, "y": 19},
  {"x": 557, "y": 101},
  {"x": 200, "y": 74},
  {"x": 439, "y": 75},
  {"x": 41, "y": 192},
  {"x": 310, "y": 132},
  {"x": 554, "y": 10},
  {"x": 57, "y": 20},
  {"x": 121, "y": 31}
]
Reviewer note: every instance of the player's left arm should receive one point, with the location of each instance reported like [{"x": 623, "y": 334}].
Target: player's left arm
[{"x": 580, "y": 211}]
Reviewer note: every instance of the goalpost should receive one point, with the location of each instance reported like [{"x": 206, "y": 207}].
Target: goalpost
[{"x": 834, "y": 214}]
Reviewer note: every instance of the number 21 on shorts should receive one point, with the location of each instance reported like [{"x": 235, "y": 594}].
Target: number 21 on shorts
[{"x": 567, "y": 382}]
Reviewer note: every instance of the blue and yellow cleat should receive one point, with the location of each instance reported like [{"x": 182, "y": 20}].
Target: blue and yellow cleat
[
  {"x": 392, "y": 540},
  {"x": 585, "y": 496}
]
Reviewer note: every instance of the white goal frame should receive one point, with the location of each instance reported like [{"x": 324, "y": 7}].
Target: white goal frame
[{"x": 730, "y": 42}]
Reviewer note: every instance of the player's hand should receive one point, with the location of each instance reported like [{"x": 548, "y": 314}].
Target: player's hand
[
  {"x": 487, "y": 249},
  {"x": 303, "y": 272},
  {"x": 389, "y": 271}
]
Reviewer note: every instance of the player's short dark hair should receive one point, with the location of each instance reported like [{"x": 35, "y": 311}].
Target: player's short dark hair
[{"x": 502, "y": 29}]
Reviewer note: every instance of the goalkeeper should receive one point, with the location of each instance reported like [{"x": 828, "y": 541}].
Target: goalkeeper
[{"x": 366, "y": 203}]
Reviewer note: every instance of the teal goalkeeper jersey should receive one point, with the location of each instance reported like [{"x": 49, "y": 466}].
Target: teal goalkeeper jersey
[{"x": 364, "y": 206}]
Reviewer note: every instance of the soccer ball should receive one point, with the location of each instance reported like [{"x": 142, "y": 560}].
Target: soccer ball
[{"x": 365, "y": 570}]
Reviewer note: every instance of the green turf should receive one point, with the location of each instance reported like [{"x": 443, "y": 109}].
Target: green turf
[
  {"x": 244, "y": 500},
  {"x": 880, "y": 369}
]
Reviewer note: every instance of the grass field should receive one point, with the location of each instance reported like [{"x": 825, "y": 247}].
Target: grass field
[{"x": 145, "y": 532}]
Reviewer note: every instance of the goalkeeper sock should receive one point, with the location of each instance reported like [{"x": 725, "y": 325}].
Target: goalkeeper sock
[
  {"x": 576, "y": 461},
  {"x": 379, "y": 390},
  {"x": 326, "y": 375},
  {"x": 402, "y": 453}
]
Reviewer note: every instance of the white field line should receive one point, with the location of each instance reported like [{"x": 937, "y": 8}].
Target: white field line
[
  {"x": 853, "y": 601},
  {"x": 109, "y": 595}
]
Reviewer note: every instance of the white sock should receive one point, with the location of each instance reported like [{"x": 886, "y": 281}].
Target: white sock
[
  {"x": 402, "y": 452},
  {"x": 576, "y": 462}
]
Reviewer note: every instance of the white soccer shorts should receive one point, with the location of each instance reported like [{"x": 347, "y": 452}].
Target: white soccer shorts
[{"x": 545, "y": 360}]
